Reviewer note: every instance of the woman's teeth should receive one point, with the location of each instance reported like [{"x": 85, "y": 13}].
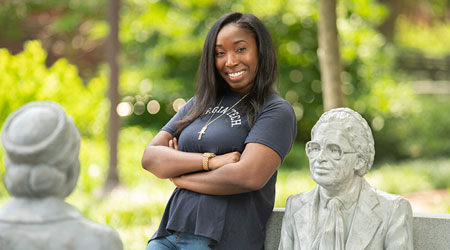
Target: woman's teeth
[{"x": 237, "y": 74}]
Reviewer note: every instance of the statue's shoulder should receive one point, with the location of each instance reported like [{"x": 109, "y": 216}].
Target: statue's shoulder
[
  {"x": 93, "y": 235},
  {"x": 301, "y": 199},
  {"x": 390, "y": 202}
]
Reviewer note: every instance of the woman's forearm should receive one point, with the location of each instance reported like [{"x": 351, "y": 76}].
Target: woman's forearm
[
  {"x": 165, "y": 162},
  {"x": 162, "y": 158},
  {"x": 223, "y": 181},
  {"x": 255, "y": 167}
]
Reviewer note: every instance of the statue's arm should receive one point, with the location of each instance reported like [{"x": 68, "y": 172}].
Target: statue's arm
[
  {"x": 287, "y": 238},
  {"x": 400, "y": 230}
]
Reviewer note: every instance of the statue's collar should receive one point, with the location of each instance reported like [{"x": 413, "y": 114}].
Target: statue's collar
[{"x": 37, "y": 211}]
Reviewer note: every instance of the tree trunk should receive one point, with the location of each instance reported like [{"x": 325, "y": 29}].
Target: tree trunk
[
  {"x": 330, "y": 60},
  {"x": 387, "y": 28},
  {"x": 112, "y": 179}
]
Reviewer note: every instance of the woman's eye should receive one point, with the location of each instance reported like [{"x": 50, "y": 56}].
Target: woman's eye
[
  {"x": 242, "y": 49},
  {"x": 219, "y": 53}
]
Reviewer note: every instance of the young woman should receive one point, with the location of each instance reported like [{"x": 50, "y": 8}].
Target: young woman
[{"x": 223, "y": 148}]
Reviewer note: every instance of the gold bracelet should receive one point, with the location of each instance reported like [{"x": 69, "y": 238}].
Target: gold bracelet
[{"x": 206, "y": 157}]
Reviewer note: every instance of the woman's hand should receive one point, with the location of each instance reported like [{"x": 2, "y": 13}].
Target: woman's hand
[
  {"x": 163, "y": 158},
  {"x": 249, "y": 172},
  {"x": 173, "y": 143},
  {"x": 215, "y": 162},
  {"x": 222, "y": 160}
]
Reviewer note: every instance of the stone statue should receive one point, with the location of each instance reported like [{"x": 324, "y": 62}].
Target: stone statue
[
  {"x": 42, "y": 167},
  {"x": 344, "y": 211}
]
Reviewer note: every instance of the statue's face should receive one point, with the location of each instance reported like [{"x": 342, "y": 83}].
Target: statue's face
[{"x": 332, "y": 159}]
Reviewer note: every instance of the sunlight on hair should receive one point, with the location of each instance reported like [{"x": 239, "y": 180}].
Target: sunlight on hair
[
  {"x": 124, "y": 109},
  {"x": 153, "y": 107},
  {"x": 178, "y": 103}
]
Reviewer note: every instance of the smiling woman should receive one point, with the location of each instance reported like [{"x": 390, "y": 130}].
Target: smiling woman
[
  {"x": 223, "y": 147},
  {"x": 237, "y": 57}
]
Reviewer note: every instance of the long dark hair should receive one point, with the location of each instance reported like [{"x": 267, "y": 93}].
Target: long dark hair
[{"x": 211, "y": 86}]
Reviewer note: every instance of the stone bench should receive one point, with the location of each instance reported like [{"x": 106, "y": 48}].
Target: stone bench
[{"x": 431, "y": 231}]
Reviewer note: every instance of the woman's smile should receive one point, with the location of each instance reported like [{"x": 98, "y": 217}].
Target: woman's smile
[{"x": 236, "y": 76}]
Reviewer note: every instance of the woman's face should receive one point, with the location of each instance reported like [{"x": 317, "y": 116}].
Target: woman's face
[{"x": 236, "y": 57}]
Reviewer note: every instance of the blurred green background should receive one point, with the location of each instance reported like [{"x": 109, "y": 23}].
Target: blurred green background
[{"x": 396, "y": 73}]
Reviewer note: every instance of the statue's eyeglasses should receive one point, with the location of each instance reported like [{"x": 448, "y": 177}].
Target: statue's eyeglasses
[{"x": 333, "y": 151}]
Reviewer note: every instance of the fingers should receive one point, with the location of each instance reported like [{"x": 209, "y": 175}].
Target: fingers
[
  {"x": 222, "y": 160},
  {"x": 173, "y": 143}
]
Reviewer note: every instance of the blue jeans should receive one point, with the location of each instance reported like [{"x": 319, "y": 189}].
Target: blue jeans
[{"x": 180, "y": 241}]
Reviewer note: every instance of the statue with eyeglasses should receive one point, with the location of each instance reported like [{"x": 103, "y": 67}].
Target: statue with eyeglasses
[{"x": 344, "y": 211}]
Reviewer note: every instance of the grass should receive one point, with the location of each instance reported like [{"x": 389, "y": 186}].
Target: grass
[{"x": 135, "y": 208}]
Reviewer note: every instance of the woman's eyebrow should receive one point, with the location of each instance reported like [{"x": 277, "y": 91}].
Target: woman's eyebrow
[
  {"x": 235, "y": 42},
  {"x": 240, "y": 41}
]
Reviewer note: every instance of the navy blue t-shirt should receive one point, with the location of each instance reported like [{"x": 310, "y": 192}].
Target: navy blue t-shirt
[{"x": 232, "y": 221}]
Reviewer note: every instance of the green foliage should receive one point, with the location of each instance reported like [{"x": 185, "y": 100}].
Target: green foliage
[
  {"x": 296, "y": 159},
  {"x": 24, "y": 78},
  {"x": 433, "y": 40},
  {"x": 421, "y": 134},
  {"x": 411, "y": 176},
  {"x": 66, "y": 16},
  {"x": 292, "y": 182}
]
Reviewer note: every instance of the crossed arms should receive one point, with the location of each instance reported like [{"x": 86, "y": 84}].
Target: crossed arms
[{"x": 231, "y": 173}]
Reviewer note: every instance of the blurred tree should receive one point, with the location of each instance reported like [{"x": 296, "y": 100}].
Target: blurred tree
[
  {"x": 387, "y": 28},
  {"x": 329, "y": 57},
  {"x": 66, "y": 28},
  {"x": 112, "y": 180},
  {"x": 417, "y": 11}
]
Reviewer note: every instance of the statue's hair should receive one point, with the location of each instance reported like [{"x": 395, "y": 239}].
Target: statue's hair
[
  {"x": 359, "y": 132},
  {"x": 39, "y": 180},
  {"x": 40, "y": 160}
]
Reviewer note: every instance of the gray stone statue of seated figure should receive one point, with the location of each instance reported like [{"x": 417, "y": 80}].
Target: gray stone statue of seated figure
[
  {"x": 344, "y": 211},
  {"x": 42, "y": 167}
]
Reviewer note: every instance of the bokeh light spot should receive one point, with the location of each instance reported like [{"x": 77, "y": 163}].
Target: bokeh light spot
[
  {"x": 153, "y": 107},
  {"x": 139, "y": 108},
  {"x": 178, "y": 103},
  {"x": 124, "y": 109}
]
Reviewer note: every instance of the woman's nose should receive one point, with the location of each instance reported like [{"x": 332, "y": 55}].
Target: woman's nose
[{"x": 232, "y": 60}]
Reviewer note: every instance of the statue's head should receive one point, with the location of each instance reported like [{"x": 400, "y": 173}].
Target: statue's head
[
  {"x": 341, "y": 146},
  {"x": 42, "y": 145}
]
